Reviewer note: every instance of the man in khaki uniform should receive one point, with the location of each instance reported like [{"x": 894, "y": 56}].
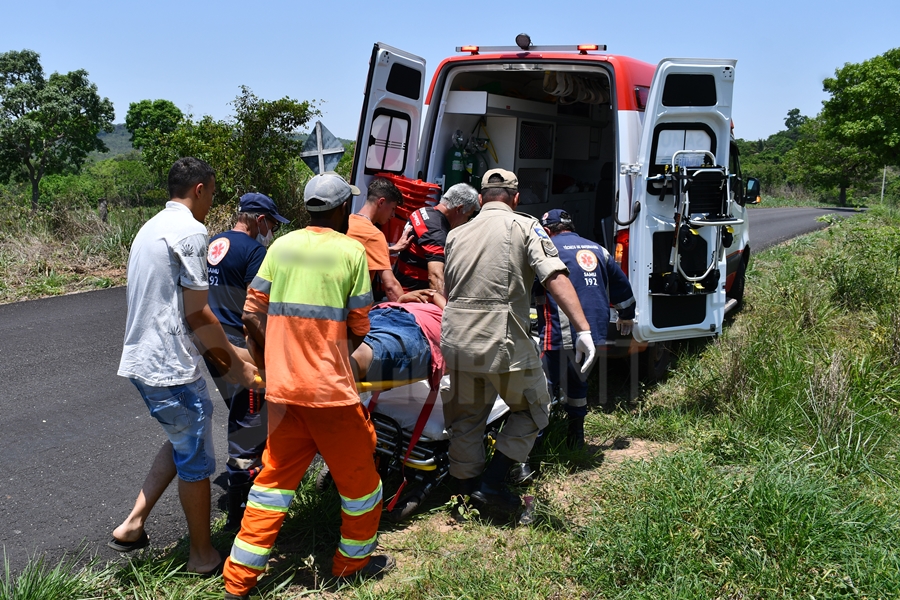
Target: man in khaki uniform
[{"x": 491, "y": 265}]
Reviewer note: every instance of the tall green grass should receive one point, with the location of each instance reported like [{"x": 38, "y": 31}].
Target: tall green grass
[
  {"x": 776, "y": 476},
  {"x": 685, "y": 527},
  {"x": 68, "y": 578}
]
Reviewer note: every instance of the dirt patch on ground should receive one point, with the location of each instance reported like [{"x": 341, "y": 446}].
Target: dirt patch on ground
[
  {"x": 566, "y": 492},
  {"x": 621, "y": 449}
]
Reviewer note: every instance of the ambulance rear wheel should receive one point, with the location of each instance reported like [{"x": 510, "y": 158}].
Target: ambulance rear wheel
[
  {"x": 655, "y": 361},
  {"x": 737, "y": 286}
]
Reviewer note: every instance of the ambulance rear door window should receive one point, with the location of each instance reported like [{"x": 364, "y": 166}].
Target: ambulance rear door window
[
  {"x": 404, "y": 81},
  {"x": 689, "y": 89},
  {"x": 388, "y": 142}
]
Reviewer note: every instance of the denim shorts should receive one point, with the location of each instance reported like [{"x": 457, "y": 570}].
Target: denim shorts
[
  {"x": 185, "y": 413},
  {"x": 400, "y": 351}
]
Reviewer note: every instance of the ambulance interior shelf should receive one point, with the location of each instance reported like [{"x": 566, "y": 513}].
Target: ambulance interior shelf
[{"x": 551, "y": 147}]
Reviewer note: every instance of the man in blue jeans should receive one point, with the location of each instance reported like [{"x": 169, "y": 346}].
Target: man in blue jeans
[
  {"x": 233, "y": 259},
  {"x": 168, "y": 312}
]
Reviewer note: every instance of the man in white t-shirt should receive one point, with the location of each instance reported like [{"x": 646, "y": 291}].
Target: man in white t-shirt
[{"x": 169, "y": 325}]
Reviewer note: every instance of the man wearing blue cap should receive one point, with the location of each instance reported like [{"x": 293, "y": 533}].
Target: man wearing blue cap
[
  {"x": 233, "y": 259},
  {"x": 592, "y": 270}
]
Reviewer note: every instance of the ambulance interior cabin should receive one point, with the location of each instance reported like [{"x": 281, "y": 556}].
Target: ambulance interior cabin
[{"x": 552, "y": 125}]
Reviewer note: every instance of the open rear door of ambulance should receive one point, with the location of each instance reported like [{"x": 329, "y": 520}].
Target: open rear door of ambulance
[
  {"x": 391, "y": 119},
  {"x": 687, "y": 122}
]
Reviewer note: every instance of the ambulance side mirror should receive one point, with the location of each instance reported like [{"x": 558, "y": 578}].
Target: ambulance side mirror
[{"x": 752, "y": 195}]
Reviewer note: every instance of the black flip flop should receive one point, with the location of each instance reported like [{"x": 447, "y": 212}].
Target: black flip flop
[{"x": 137, "y": 544}]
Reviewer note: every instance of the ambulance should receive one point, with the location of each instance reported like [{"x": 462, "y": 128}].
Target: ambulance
[{"x": 641, "y": 157}]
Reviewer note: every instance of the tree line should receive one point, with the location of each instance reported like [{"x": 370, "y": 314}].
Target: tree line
[
  {"x": 49, "y": 127},
  {"x": 845, "y": 147}
]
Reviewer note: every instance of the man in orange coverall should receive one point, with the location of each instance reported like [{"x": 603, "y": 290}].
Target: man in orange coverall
[{"x": 311, "y": 292}]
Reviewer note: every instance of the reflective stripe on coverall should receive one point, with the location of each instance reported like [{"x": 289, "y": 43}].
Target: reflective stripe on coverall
[{"x": 345, "y": 438}]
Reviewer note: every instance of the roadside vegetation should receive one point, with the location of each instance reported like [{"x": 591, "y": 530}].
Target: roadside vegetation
[{"x": 765, "y": 467}]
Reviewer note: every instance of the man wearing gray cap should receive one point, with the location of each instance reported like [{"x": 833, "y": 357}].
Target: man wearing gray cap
[
  {"x": 233, "y": 258},
  {"x": 492, "y": 262},
  {"x": 310, "y": 298}
]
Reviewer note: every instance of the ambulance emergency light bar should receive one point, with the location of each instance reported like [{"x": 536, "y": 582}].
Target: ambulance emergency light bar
[{"x": 523, "y": 42}]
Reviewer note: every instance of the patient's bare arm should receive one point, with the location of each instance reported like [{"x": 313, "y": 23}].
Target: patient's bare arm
[{"x": 360, "y": 361}]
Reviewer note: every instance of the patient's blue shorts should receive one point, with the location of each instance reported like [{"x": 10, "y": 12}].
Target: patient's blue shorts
[{"x": 399, "y": 348}]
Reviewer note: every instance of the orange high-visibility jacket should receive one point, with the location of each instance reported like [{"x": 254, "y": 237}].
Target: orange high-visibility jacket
[{"x": 313, "y": 285}]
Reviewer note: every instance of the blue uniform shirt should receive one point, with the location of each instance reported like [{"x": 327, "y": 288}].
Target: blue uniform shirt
[
  {"x": 233, "y": 259},
  {"x": 592, "y": 270}
]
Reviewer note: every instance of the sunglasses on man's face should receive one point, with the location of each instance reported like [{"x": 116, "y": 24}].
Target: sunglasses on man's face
[{"x": 274, "y": 225}]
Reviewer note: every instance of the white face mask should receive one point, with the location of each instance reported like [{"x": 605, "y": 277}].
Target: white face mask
[{"x": 265, "y": 240}]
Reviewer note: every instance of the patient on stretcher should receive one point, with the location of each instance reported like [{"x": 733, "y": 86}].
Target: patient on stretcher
[{"x": 403, "y": 344}]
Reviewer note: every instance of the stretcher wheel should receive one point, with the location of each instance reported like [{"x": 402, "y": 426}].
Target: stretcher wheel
[
  {"x": 404, "y": 510},
  {"x": 324, "y": 480}
]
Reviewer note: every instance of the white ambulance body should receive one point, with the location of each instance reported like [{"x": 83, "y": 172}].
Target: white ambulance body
[{"x": 634, "y": 153}]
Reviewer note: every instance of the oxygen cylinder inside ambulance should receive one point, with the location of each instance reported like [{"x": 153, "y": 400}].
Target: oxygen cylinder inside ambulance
[{"x": 551, "y": 124}]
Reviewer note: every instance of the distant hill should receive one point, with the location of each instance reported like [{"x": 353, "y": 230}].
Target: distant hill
[{"x": 119, "y": 144}]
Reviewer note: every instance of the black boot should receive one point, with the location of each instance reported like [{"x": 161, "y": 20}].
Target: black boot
[
  {"x": 575, "y": 434},
  {"x": 464, "y": 487},
  {"x": 236, "y": 502},
  {"x": 493, "y": 490},
  {"x": 520, "y": 474}
]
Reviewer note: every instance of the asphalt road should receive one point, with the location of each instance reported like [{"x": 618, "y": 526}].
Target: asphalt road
[
  {"x": 771, "y": 226},
  {"x": 76, "y": 440}
]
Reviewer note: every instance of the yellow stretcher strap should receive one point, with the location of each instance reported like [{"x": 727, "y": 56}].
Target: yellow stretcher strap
[{"x": 372, "y": 386}]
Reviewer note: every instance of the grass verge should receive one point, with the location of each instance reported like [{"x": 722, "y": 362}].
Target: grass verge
[
  {"x": 65, "y": 250},
  {"x": 764, "y": 468}
]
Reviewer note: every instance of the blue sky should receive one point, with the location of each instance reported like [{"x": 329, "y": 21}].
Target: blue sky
[{"x": 197, "y": 53}]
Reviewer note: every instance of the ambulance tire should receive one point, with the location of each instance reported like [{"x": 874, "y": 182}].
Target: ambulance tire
[
  {"x": 737, "y": 286},
  {"x": 655, "y": 361}
]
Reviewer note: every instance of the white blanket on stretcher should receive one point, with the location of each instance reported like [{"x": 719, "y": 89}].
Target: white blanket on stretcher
[{"x": 404, "y": 404}]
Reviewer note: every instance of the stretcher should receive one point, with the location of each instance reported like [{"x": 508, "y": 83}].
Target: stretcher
[{"x": 411, "y": 451}]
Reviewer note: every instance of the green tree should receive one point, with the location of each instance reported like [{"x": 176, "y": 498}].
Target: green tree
[
  {"x": 47, "y": 125},
  {"x": 793, "y": 121},
  {"x": 267, "y": 141},
  {"x": 864, "y": 108},
  {"x": 820, "y": 161},
  {"x": 255, "y": 150},
  {"x": 764, "y": 158},
  {"x": 122, "y": 179},
  {"x": 148, "y": 119},
  {"x": 346, "y": 164},
  {"x": 206, "y": 139}
]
